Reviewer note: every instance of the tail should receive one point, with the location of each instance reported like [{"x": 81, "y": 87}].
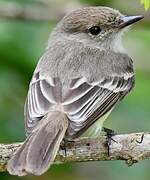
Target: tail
[{"x": 40, "y": 148}]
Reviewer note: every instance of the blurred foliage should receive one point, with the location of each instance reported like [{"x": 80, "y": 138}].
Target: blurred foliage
[
  {"x": 146, "y": 4},
  {"x": 21, "y": 1},
  {"x": 21, "y": 45},
  {"x": 97, "y": 2}
]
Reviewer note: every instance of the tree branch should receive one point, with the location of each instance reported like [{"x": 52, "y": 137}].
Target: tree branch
[
  {"x": 128, "y": 147},
  {"x": 40, "y": 10},
  {"x": 36, "y": 12}
]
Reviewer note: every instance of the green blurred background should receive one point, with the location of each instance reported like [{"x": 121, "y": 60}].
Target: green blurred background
[{"x": 22, "y": 42}]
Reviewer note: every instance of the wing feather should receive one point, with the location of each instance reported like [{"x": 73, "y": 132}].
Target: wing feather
[
  {"x": 83, "y": 101},
  {"x": 41, "y": 97},
  {"x": 85, "y": 110}
]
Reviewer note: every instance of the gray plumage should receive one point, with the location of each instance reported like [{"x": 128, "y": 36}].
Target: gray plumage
[
  {"x": 40, "y": 148},
  {"x": 79, "y": 79}
]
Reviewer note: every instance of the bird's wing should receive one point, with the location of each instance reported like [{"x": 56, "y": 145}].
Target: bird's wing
[
  {"x": 86, "y": 102},
  {"x": 43, "y": 94}
]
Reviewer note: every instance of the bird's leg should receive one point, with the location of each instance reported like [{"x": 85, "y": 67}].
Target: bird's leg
[
  {"x": 109, "y": 133},
  {"x": 141, "y": 140},
  {"x": 64, "y": 143},
  {"x": 63, "y": 146}
]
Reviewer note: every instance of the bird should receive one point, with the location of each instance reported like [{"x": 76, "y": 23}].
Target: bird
[{"x": 81, "y": 76}]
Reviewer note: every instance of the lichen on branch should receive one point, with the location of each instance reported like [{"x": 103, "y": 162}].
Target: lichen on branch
[{"x": 128, "y": 147}]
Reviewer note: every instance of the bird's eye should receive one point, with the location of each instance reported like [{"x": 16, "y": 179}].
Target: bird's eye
[{"x": 95, "y": 30}]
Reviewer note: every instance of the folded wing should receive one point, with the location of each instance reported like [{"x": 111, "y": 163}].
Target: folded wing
[
  {"x": 86, "y": 102},
  {"x": 42, "y": 96}
]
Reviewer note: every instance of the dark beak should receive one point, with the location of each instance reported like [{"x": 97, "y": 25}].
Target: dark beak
[{"x": 128, "y": 20}]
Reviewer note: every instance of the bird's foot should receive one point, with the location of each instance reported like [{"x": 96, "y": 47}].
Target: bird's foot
[
  {"x": 109, "y": 134},
  {"x": 141, "y": 140},
  {"x": 63, "y": 145}
]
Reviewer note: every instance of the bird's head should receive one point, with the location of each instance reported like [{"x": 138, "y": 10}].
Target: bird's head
[{"x": 95, "y": 25}]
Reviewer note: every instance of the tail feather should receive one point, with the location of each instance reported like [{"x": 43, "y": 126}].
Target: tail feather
[{"x": 40, "y": 148}]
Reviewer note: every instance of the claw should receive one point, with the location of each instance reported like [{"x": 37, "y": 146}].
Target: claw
[
  {"x": 141, "y": 140},
  {"x": 63, "y": 147},
  {"x": 64, "y": 144},
  {"x": 109, "y": 134}
]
